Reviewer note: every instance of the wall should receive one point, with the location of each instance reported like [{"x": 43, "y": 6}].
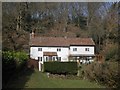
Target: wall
[
  {"x": 64, "y": 53},
  {"x": 81, "y": 50},
  {"x": 34, "y": 53}
]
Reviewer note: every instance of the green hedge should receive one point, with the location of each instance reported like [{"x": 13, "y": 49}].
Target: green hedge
[
  {"x": 61, "y": 67},
  {"x": 12, "y": 63},
  {"x": 18, "y": 58}
]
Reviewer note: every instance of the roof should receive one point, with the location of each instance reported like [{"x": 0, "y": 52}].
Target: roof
[
  {"x": 49, "y": 54},
  {"x": 59, "y": 41}
]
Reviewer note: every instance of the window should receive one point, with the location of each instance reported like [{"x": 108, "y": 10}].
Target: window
[
  {"x": 53, "y": 58},
  {"x": 58, "y": 49},
  {"x": 74, "y": 49},
  {"x": 58, "y": 58},
  {"x": 39, "y": 49},
  {"x": 86, "y": 49},
  {"x": 47, "y": 58},
  {"x": 40, "y": 58},
  {"x": 87, "y": 58}
]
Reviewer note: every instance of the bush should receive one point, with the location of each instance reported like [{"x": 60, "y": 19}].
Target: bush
[
  {"x": 18, "y": 58},
  {"x": 111, "y": 53},
  {"x": 12, "y": 62},
  {"x": 61, "y": 67},
  {"x": 105, "y": 73}
]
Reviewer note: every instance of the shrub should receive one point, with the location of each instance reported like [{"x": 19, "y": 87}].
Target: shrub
[
  {"x": 20, "y": 58},
  {"x": 9, "y": 57},
  {"x": 111, "y": 53},
  {"x": 106, "y": 73},
  {"x": 12, "y": 62},
  {"x": 61, "y": 67}
]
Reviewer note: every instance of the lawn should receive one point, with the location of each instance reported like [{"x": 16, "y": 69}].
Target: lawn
[{"x": 38, "y": 79}]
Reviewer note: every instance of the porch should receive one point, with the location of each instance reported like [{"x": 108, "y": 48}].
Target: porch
[
  {"x": 82, "y": 59},
  {"x": 50, "y": 56}
]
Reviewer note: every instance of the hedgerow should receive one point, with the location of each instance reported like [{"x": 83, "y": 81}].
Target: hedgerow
[{"x": 61, "y": 67}]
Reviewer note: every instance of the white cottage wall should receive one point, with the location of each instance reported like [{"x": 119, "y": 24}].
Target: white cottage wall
[
  {"x": 64, "y": 53},
  {"x": 34, "y": 53},
  {"x": 81, "y": 50}
]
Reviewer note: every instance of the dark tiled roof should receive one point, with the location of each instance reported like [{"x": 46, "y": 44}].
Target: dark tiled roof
[{"x": 60, "y": 41}]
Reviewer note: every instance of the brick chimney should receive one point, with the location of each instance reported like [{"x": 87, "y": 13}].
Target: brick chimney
[
  {"x": 65, "y": 37},
  {"x": 32, "y": 35}
]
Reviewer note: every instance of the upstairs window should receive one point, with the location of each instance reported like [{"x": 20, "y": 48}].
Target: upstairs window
[
  {"x": 39, "y": 49},
  {"x": 86, "y": 49},
  {"x": 59, "y": 49},
  {"x": 74, "y": 49}
]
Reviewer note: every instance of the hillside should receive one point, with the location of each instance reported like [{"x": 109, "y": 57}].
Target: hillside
[{"x": 59, "y": 20}]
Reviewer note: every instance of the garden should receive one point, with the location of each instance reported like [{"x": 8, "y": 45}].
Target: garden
[
  {"x": 36, "y": 79},
  {"x": 16, "y": 74},
  {"x": 105, "y": 73}
]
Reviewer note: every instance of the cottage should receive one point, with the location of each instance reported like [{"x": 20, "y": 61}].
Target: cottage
[{"x": 61, "y": 49}]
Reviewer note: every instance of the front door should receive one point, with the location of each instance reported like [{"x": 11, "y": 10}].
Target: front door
[{"x": 50, "y": 58}]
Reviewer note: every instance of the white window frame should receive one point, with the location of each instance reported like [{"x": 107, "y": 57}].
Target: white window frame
[
  {"x": 74, "y": 49},
  {"x": 40, "y": 58},
  {"x": 39, "y": 49},
  {"x": 59, "y": 58},
  {"x": 87, "y": 49},
  {"x": 47, "y": 58},
  {"x": 59, "y": 49},
  {"x": 53, "y": 58}
]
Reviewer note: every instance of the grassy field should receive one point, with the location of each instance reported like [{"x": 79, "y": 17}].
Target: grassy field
[{"x": 37, "y": 79}]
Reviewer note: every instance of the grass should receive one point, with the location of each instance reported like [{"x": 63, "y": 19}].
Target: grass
[{"x": 40, "y": 80}]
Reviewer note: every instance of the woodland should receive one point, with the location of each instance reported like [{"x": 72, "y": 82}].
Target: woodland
[{"x": 96, "y": 20}]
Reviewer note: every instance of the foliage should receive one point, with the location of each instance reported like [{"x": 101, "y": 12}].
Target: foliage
[
  {"x": 61, "y": 67},
  {"x": 12, "y": 62},
  {"x": 81, "y": 21},
  {"x": 111, "y": 53},
  {"x": 97, "y": 20},
  {"x": 105, "y": 73},
  {"x": 18, "y": 57}
]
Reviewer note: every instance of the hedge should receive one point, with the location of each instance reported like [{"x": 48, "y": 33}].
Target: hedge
[
  {"x": 12, "y": 63},
  {"x": 61, "y": 67}
]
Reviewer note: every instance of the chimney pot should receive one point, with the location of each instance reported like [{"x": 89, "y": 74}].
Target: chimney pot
[{"x": 32, "y": 35}]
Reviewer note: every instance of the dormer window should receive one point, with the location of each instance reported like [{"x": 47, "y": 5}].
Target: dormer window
[
  {"x": 86, "y": 49},
  {"x": 58, "y": 49},
  {"x": 39, "y": 49},
  {"x": 74, "y": 49}
]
